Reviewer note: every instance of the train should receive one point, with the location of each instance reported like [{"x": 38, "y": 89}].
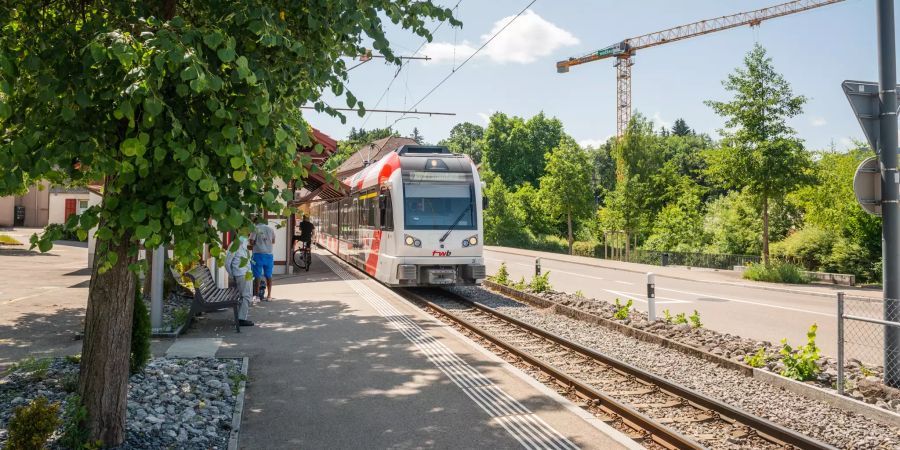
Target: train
[{"x": 413, "y": 218}]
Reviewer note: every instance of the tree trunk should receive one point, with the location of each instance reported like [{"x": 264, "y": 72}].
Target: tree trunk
[
  {"x": 103, "y": 379},
  {"x": 765, "y": 231},
  {"x": 571, "y": 239}
]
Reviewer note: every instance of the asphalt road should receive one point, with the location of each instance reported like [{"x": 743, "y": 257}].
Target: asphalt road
[{"x": 748, "y": 311}]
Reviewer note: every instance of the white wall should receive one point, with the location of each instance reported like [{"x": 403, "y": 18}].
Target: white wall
[
  {"x": 58, "y": 204},
  {"x": 93, "y": 199}
]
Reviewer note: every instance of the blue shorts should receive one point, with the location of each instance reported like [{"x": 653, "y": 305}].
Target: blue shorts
[{"x": 262, "y": 264}]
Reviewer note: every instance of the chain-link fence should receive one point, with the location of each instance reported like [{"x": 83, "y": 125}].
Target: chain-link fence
[{"x": 861, "y": 339}]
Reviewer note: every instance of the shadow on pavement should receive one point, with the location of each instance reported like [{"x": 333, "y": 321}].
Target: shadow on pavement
[{"x": 51, "y": 333}]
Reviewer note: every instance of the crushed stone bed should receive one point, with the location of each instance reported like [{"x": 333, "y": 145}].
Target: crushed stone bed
[
  {"x": 816, "y": 419},
  {"x": 174, "y": 403}
]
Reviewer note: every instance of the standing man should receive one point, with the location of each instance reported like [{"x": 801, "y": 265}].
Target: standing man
[
  {"x": 263, "y": 241},
  {"x": 237, "y": 264}
]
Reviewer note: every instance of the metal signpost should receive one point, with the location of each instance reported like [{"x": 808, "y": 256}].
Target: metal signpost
[{"x": 876, "y": 108}]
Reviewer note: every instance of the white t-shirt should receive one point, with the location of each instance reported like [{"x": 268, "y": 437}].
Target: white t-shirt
[{"x": 263, "y": 239}]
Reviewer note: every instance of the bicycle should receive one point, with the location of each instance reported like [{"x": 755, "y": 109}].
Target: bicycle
[{"x": 302, "y": 257}]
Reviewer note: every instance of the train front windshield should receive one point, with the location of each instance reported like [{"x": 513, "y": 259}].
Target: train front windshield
[{"x": 435, "y": 201}]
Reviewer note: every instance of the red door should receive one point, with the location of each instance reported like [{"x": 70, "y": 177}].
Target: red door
[{"x": 70, "y": 207}]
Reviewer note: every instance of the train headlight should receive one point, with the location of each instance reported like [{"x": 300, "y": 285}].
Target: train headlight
[
  {"x": 412, "y": 241},
  {"x": 409, "y": 240},
  {"x": 471, "y": 240}
]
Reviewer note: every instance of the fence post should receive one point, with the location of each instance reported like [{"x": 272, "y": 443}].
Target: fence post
[
  {"x": 651, "y": 297},
  {"x": 537, "y": 267},
  {"x": 840, "y": 343}
]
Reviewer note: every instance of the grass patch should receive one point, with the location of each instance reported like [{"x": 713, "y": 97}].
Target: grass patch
[
  {"x": 236, "y": 379},
  {"x": 33, "y": 368},
  {"x": 776, "y": 273},
  {"x": 8, "y": 240}
]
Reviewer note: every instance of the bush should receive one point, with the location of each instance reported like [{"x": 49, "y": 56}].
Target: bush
[
  {"x": 808, "y": 247},
  {"x": 31, "y": 426},
  {"x": 540, "y": 283},
  {"x": 695, "y": 320},
  {"x": 775, "y": 273},
  {"x": 502, "y": 276},
  {"x": 801, "y": 365},
  {"x": 851, "y": 257},
  {"x": 758, "y": 359},
  {"x": 590, "y": 249},
  {"x": 75, "y": 435},
  {"x": 140, "y": 335},
  {"x": 622, "y": 310}
]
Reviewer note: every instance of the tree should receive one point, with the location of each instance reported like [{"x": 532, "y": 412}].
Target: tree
[
  {"x": 680, "y": 128},
  {"x": 679, "y": 226},
  {"x": 416, "y": 136},
  {"x": 501, "y": 224},
  {"x": 185, "y": 111},
  {"x": 515, "y": 149},
  {"x": 759, "y": 151},
  {"x": 565, "y": 185},
  {"x": 466, "y": 138}
]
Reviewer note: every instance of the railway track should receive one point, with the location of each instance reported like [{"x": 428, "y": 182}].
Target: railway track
[{"x": 651, "y": 410}]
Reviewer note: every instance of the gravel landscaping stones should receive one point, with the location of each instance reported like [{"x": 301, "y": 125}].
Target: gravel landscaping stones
[
  {"x": 175, "y": 311},
  {"x": 173, "y": 403},
  {"x": 840, "y": 428}
]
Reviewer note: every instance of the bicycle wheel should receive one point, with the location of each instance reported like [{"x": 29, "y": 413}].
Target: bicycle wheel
[{"x": 297, "y": 259}]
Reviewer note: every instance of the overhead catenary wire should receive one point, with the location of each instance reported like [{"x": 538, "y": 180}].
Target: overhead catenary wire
[
  {"x": 456, "y": 69},
  {"x": 400, "y": 69}
]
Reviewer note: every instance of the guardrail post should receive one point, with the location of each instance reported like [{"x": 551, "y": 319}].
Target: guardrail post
[
  {"x": 537, "y": 267},
  {"x": 840, "y": 343},
  {"x": 651, "y": 296}
]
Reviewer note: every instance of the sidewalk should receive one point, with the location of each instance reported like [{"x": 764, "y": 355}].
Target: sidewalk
[
  {"x": 723, "y": 277},
  {"x": 337, "y": 362}
]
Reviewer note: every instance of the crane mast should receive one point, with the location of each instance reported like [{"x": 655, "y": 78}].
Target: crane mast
[{"x": 624, "y": 50}]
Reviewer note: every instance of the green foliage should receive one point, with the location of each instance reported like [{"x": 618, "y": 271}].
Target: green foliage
[
  {"x": 563, "y": 185},
  {"x": 865, "y": 371},
  {"x": 759, "y": 151},
  {"x": 34, "y": 369},
  {"x": 69, "y": 382},
  {"x": 679, "y": 226},
  {"x": 681, "y": 128},
  {"x": 520, "y": 285},
  {"x": 695, "y": 320},
  {"x": 74, "y": 359},
  {"x": 540, "y": 283},
  {"x": 501, "y": 226},
  {"x": 679, "y": 319},
  {"x": 776, "y": 272},
  {"x": 502, "y": 276},
  {"x": 515, "y": 148},
  {"x": 759, "y": 359},
  {"x": 180, "y": 316},
  {"x": 140, "y": 336},
  {"x": 466, "y": 138},
  {"x": 60, "y": 231},
  {"x": 31, "y": 426},
  {"x": 236, "y": 379},
  {"x": 579, "y": 294},
  {"x": 590, "y": 249},
  {"x": 75, "y": 435},
  {"x": 667, "y": 316},
  {"x": 801, "y": 364},
  {"x": 529, "y": 207},
  {"x": 621, "y": 312},
  {"x": 809, "y": 247}
]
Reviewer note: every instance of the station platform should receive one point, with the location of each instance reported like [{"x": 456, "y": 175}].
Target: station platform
[{"x": 340, "y": 361}]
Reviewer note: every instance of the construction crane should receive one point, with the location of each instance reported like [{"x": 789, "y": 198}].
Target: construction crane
[{"x": 625, "y": 50}]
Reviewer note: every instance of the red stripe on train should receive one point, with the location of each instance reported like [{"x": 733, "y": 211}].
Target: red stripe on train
[{"x": 372, "y": 260}]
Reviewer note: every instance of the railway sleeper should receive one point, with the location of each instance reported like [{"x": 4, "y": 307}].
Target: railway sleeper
[{"x": 697, "y": 419}]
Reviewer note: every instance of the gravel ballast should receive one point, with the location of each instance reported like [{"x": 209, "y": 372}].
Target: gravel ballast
[
  {"x": 173, "y": 403},
  {"x": 816, "y": 419}
]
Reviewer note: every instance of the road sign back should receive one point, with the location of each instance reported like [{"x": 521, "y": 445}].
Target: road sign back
[
  {"x": 867, "y": 186},
  {"x": 863, "y": 97}
]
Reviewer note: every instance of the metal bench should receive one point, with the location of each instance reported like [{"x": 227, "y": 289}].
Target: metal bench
[{"x": 208, "y": 297}]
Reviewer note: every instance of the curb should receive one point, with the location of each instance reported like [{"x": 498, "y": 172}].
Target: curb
[
  {"x": 234, "y": 439},
  {"x": 806, "y": 390},
  {"x": 675, "y": 277}
]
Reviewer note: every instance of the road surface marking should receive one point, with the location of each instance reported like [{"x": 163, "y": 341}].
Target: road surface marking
[
  {"x": 32, "y": 295},
  {"x": 575, "y": 274},
  {"x": 788, "y": 308},
  {"x": 642, "y": 298},
  {"x": 624, "y": 282},
  {"x": 526, "y": 427}
]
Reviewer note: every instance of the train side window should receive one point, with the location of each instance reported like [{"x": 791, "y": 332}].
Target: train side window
[{"x": 386, "y": 210}]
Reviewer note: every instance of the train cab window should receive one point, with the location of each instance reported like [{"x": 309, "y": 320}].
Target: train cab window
[{"x": 385, "y": 210}]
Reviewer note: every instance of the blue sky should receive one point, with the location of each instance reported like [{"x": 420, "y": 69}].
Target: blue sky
[{"x": 516, "y": 73}]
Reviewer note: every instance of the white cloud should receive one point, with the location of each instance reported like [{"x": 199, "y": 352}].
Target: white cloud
[
  {"x": 584, "y": 143},
  {"x": 818, "y": 122},
  {"x": 486, "y": 117},
  {"x": 523, "y": 42},
  {"x": 659, "y": 121}
]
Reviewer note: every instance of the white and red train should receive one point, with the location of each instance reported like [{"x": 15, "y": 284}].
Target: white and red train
[{"x": 414, "y": 218}]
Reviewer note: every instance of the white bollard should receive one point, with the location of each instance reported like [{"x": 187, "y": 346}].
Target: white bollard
[
  {"x": 651, "y": 296},
  {"x": 156, "y": 286},
  {"x": 537, "y": 267}
]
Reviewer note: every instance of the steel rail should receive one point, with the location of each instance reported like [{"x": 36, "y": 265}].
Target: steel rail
[
  {"x": 657, "y": 432},
  {"x": 765, "y": 428}
]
